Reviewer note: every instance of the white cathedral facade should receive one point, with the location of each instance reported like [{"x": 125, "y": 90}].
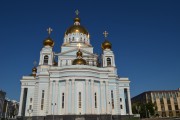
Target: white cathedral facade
[{"x": 75, "y": 81}]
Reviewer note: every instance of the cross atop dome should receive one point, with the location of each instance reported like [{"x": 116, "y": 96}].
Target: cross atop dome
[
  {"x": 34, "y": 63},
  {"x": 49, "y": 30},
  {"x": 77, "y": 12},
  {"x": 79, "y": 45},
  {"x": 105, "y": 34}
]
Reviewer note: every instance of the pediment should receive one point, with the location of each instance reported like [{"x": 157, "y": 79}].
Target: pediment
[{"x": 73, "y": 52}]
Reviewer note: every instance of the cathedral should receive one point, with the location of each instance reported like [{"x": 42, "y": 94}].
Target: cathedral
[{"x": 75, "y": 82}]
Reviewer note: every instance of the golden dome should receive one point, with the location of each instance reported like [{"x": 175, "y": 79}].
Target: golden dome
[
  {"x": 79, "y": 62},
  {"x": 48, "y": 42},
  {"x": 76, "y": 28},
  {"x": 34, "y": 69},
  {"x": 106, "y": 45},
  {"x": 79, "y": 54}
]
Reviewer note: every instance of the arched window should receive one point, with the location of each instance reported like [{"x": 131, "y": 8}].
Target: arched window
[
  {"x": 95, "y": 100},
  {"x": 62, "y": 100},
  {"x": 46, "y": 60},
  {"x": 108, "y": 61},
  {"x": 79, "y": 99},
  {"x": 112, "y": 99}
]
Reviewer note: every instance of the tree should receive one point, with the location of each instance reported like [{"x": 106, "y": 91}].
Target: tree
[{"x": 144, "y": 109}]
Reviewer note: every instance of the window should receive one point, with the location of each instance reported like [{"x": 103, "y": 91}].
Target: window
[
  {"x": 175, "y": 100},
  {"x": 46, "y": 60},
  {"x": 169, "y": 107},
  {"x": 120, "y": 99},
  {"x": 42, "y": 100},
  {"x": 176, "y": 107},
  {"x": 62, "y": 100},
  {"x": 112, "y": 99},
  {"x": 121, "y": 106},
  {"x": 95, "y": 100},
  {"x": 30, "y": 107},
  {"x": 30, "y": 100},
  {"x": 108, "y": 61},
  {"x": 126, "y": 100},
  {"x": 168, "y": 101},
  {"x": 79, "y": 99}
]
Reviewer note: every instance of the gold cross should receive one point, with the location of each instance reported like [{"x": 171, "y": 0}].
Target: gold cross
[
  {"x": 34, "y": 63},
  {"x": 105, "y": 34},
  {"x": 49, "y": 30},
  {"x": 79, "y": 45},
  {"x": 77, "y": 12}
]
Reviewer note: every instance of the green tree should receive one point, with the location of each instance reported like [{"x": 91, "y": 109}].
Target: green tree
[{"x": 144, "y": 109}]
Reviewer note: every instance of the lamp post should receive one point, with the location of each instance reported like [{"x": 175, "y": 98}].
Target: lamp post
[
  {"x": 138, "y": 108},
  {"x": 53, "y": 108},
  {"x": 29, "y": 111},
  {"x": 111, "y": 109}
]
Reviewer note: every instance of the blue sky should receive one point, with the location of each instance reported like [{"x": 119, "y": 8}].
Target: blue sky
[{"x": 145, "y": 36}]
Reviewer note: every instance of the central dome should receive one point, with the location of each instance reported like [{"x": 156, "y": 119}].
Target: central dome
[{"x": 76, "y": 28}]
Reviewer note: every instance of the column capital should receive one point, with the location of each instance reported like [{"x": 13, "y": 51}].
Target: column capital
[{"x": 67, "y": 81}]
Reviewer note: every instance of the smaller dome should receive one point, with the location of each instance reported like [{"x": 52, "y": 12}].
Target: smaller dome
[
  {"x": 34, "y": 69},
  {"x": 48, "y": 42},
  {"x": 79, "y": 62},
  {"x": 106, "y": 45},
  {"x": 79, "y": 54}
]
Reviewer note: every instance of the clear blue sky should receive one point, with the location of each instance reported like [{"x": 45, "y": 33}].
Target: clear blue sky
[{"x": 145, "y": 36}]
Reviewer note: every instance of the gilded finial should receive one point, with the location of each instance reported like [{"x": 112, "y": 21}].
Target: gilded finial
[
  {"x": 77, "y": 12},
  {"x": 105, "y": 34},
  {"x": 79, "y": 45},
  {"x": 49, "y": 30},
  {"x": 34, "y": 63}
]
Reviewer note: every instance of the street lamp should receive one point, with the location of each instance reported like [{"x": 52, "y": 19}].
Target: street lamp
[
  {"x": 29, "y": 111},
  {"x": 138, "y": 108},
  {"x": 53, "y": 109},
  {"x": 111, "y": 109}
]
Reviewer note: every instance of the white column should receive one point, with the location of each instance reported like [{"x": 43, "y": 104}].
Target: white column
[
  {"x": 107, "y": 99},
  {"x": 56, "y": 99},
  {"x": 102, "y": 98},
  {"x": 87, "y": 97},
  {"x": 66, "y": 96},
  {"x": 21, "y": 100},
  {"x": 92, "y": 96},
  {"x": 129, "y": 101},
  {"x": 73, "y": 92},
  {"x": 50, "y": 98}
]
